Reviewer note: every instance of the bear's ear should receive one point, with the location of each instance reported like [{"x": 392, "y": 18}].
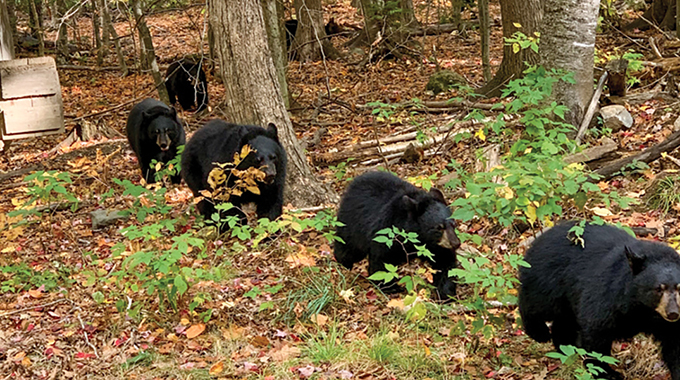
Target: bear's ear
[
  {"x": 635, "y": 260},
  {"x": 438, "y": 195},
  {"x": 272, "y": 131},
  {"x": 410, "y": 204},
  {"x": 173, "y": 112}
]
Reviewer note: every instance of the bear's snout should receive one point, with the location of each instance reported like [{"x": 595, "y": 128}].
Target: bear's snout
[
  {"x": 269, "y": 174},
  {"x": 449, "y": 239},
  {"x": 668, "y": 305},
  {"x": 163, "y": 141}
]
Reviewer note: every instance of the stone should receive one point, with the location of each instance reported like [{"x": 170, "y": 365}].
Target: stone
[
  {"x": 616, "y": 117},
  {"x": 101, "y": 218},
  {"x": 443, "y": 80}
]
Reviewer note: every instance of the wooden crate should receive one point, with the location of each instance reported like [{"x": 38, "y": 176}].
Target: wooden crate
[{"x": 30, "y": 98}]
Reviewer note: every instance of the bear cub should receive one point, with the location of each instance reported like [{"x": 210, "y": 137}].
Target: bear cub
[
  {"x": 154, "y": 132},
  {"x": 186, "y": 83},
  {"x": 218, "y": 141},
  {"x": 378, "y": 200},
  {"x": 614, "y": 287}
]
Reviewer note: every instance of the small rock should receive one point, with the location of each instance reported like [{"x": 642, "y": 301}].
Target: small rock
[
  {"x": 616, "y": 117},
  {"x": 101, "y": 218},
  {"x": 442, "y": 80}
]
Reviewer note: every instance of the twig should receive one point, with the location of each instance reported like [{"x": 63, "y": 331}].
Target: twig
[
  {"x": 675, "y": 160},
  {"x": 87, "y": 340},
  {"x": 591, "y": 108},
  {"x": 32, "y": 307},
  {"x": 655, "y": 49}
]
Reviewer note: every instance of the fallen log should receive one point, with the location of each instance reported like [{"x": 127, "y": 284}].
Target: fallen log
[
  {"x": 375, "y": 149},
  {"x": 592, "y": 153},
  {"x": 648, "y": 155}
]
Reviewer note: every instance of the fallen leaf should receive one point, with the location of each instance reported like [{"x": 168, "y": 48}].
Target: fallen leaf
[
  {"x": 216, "y": 368},
  {"x": 319, "y": 319},
  {"x": 286, "y": 352},
  {"x": 195, "y": 330}
]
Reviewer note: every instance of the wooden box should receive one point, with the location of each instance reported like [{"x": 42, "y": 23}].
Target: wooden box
[{"x": 30, "y": 98}]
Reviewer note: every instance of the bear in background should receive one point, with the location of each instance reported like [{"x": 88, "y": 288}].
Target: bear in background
[
  {"x": 186, "y": 82},
  {"x": 154, "y": 132},
  {"x": 218, "y": 141},
  {"x": 613, "y": 287},
  {"x": 378, "y": 200}
]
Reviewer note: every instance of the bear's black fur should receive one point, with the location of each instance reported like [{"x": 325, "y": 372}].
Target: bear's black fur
[
  {"x": 154, "y": 132},
  {"x": 183, "y": 87},
  {"x": 217, "y": 141},
  {"x": 378, "y": 200},
  {"x": 614, "y": 288}
]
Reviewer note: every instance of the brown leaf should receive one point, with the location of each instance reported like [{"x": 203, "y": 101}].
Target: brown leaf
[
  {"x": 260, "y": 341},
  {"x": 195, "y": 330},
  {"x": 286, "y": 352}
]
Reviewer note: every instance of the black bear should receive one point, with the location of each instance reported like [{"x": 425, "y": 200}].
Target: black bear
[
  {"x": 186, "y": 83},
  {"x": 217, "y": 142},
  {"x": 154, "y": 132},
  {"x": 331, "y": 29},
  {"x": 378, "y": 200},
  {"x": 613, "y": 287}
]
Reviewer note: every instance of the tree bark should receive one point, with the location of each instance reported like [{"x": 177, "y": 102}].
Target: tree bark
[
  {"x": 526, "y": 13},
  {"x": 568, "y": 43},
  {"x": 6, "y": 37},
  {"x": 485, "y": 30},
  {"x": 253, "y": 93},
  {"x": 147, "y": 47},
  {"x": 37, "y": 16},
  {"x": 96, "y": 31},
  {"x": 62, "y": 35},
  {"x": 277, "y": 40},
  {"x": 109, "y": 30},
  {"x": 310, "y": 43}
]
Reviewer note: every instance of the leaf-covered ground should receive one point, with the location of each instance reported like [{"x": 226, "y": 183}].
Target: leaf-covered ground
[{"x": 72, "y": 306}]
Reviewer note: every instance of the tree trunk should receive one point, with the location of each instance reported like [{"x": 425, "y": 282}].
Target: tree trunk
[
  {"x": 310, "y": 42},
  {"x": 526, "y": 13},
  {"x": 96, "y": 31},
  {"x": 147, "y": 48},
  {"x": 6, "y": 37},
  {"x": 407, "y": 14},
  {"x": 661, "y": 13},
  {"x": 11, "y": 10},
  {"x": 277, "y": 40},
  {"x": 456, "y": 10},
  {"x": 109, "y": 30},
  {"x": 485, "y": 30},
  {"x": 568, "y": 43},
  {"x": 253, "y": 93},
  {"x": 62, "y": 35},
  {"x": 37, "y": 17},
  {"x": 6, "y": 46}
]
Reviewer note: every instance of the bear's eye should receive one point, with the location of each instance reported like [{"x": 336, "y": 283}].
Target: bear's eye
[
  {"x": 272, "y": 157},
  {"x": 660, "y": 288}
]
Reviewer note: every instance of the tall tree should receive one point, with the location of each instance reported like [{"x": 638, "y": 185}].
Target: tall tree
[
  {"x": 518, "y": 16},
  {"x": 310, "y": 43},
  {"x": 148, "y": 50},
  {"x": 253, "y": 93},
  {"x": 6, "y": 37},
  {"x": 568, "y": 43}
]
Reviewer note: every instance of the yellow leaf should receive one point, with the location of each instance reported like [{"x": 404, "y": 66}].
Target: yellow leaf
[
  {"x": 216, "y": 177},
  {"x": 185, "y": 321},
  {"x": 195, "y": 330},
  {"x": 427, "y": 350},
  {"x": 480, "y": 134},
  {"x": 253, "y": 189},
  {"x": 515, "y": 48},
  {"x": 512, "y": 292},
  {"x": 396, "y": 303},
  {"x": 7, "y": 249},
  {"x": 159, "y": 166},
  {"x": 216, "y": 368},
  {"x": 26, "y": 362},
  {"x": 505, "y": 192},
  {"x": 517, "y": 25},
  {"x": 530, "y": 212}
]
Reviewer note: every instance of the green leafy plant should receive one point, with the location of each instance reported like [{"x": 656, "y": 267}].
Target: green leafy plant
[
  {"x": 171, "y": 168},
  {"x": 45, "y": 187},
  {"x": 340, "y": 171},
  {"x": 571, "y": 356}
]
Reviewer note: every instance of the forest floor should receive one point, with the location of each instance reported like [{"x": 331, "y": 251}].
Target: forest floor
[{"x": 74, "y": 304}]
